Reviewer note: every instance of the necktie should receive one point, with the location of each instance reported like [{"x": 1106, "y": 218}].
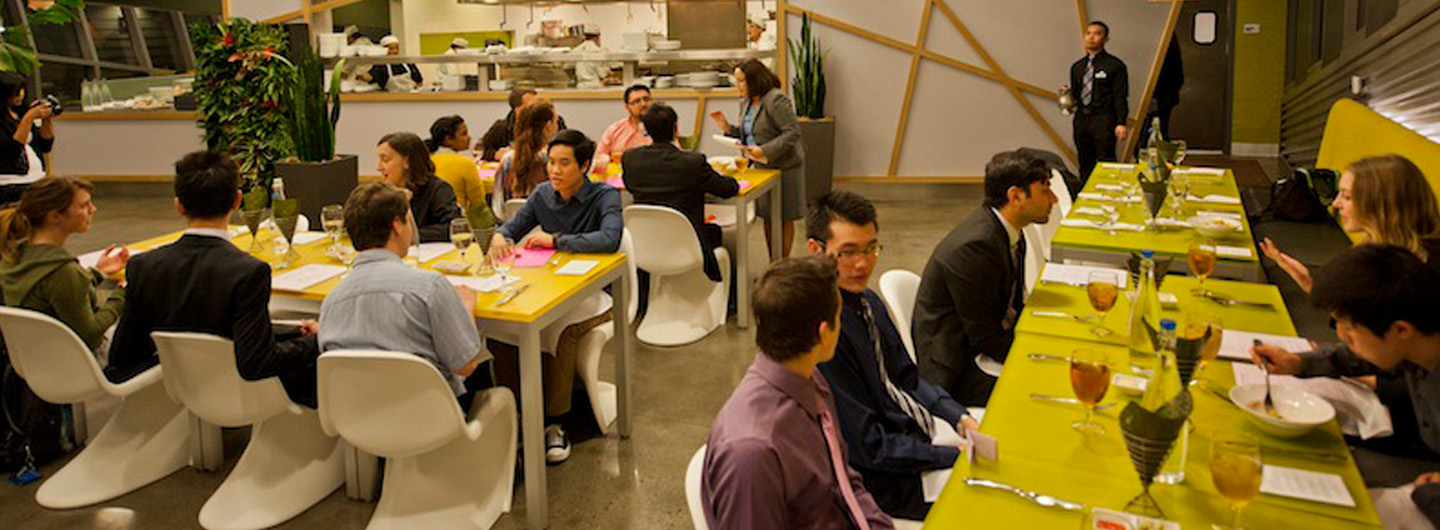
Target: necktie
[
  {"x": 1017, "y": 285},
  {"x": 1089, "y": 84},
  {"x": 907, "y": 404},
  {"x": 837, "y": 463}
]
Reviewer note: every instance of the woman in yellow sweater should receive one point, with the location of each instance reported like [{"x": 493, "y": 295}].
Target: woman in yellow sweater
[{"x": 449, "y": 138}]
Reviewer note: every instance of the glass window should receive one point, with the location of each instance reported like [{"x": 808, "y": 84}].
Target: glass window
[
  {"x": 111, "y": 33},
  {"x": 161, "y": 38},
  {"x": 63, "y": 80},
  {"x": 1205, "y": 22},
  {"x": 57, "y": 39}
]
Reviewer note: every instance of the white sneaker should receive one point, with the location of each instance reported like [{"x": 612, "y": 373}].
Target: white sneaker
[{"x": 557, "y": 445}]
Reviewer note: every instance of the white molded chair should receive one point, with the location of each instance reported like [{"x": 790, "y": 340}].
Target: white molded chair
[
  {"x": 1057, "y": 185},
  {"x": 685, "y": 305},
  {"x": 693, "y": 499},
  {"x": 593, "y": 342},
  {"x": 511, "y": 206},
  {"x": 1034, "y": 256},
  {"x": 899, "y": 287},
  {"x": 442, "y": 469},
  {"x": 724, "y": 214},
  {"x": 143, "y": 442},
  {"x": 289, "y": 465}
]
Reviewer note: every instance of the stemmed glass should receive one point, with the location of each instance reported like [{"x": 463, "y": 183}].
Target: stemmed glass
[
  {"x": 332, "y": 217},
  {"x": 1235, "y": 466},
  {"x": 1103, "y": 288},
  {"x": 1090, "y": 379},
  {"x": 461, "y": 235},
  {"x": 1179, "y": 190},
  {"x": 1201, "y": 258},
  {"x": 502, "y": 265}
]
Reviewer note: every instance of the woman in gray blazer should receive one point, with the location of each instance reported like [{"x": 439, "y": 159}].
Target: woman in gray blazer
[{"x": 771, "y": 134}]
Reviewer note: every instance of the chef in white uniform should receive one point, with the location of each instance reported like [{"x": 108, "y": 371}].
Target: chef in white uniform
[
  {"x": 452, "y": 74},
  {"x": 404, "y": 77},
  {"x": 590, "y": 74}
]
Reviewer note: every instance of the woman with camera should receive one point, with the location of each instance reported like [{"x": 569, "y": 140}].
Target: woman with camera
[{"x": 17, "y": 130}]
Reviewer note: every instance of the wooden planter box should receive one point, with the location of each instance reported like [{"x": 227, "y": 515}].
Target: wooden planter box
[{"x": 318, "y": 184}]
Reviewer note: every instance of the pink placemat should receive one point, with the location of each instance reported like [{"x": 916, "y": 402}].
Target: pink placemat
[
  {"x": 744, "y": 185},
  {"x": 487, "y": 173},
  {"x": 533, "y": 258},
  {"x": 616, "y": 182}
]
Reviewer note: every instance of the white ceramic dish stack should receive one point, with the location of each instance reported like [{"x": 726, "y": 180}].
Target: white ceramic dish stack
[
  {"x": 667, "y": 45},
  {"x": 331, "y": 44}
]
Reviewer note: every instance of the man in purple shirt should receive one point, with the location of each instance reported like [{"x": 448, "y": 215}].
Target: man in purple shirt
[{"x": 775, "y": 456}]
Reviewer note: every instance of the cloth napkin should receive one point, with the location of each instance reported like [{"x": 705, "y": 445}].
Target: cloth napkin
[
  {"x": 1086, "y": 223},
  {"x": 1215, "y": 198},
  {"x": 1103, "y": 197}
]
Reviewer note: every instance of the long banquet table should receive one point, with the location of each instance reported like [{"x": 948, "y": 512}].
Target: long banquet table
[{"x": 1040, "y": 452}]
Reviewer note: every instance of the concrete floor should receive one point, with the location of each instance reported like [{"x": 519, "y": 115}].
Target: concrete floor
[{"x": 608, "y": 482}]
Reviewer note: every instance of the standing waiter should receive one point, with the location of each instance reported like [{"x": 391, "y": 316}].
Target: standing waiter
[{"x": 1101, "y": 89}]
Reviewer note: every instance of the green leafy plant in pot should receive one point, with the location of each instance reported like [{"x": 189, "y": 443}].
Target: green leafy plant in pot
[
  {"x": 315, "y": 175},
  {"x": 817, "y": 131}
]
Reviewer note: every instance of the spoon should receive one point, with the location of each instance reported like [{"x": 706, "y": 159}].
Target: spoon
[{"x": 1269, "y": 402}]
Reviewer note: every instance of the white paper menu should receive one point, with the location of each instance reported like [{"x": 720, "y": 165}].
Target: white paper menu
[
  {"x": 1236, "y": 344},
  {"x": 1327, "y": 488},
  {"x": 302, "y": 278}
]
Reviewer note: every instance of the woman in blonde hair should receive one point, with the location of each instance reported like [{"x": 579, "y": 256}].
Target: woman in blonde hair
[
  {"x": 1387, "y": 200},
  {"x": 37, "y": 272}
]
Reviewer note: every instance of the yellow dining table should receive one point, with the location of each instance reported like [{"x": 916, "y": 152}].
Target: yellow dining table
[
  {"x": 548, "y": 297},
  {"x": 761, "y": 182},
  {"x": 1104, "y": 189},
  {"x": 1040, "y": 452}
]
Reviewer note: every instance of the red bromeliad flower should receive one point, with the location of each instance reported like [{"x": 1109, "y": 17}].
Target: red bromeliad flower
[{"x": 227, "y": 40}]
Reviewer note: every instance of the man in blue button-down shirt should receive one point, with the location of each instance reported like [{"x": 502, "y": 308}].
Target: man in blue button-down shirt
[
  {"x": 896, "y": 424},
  {"x": 576, "y": 215}
]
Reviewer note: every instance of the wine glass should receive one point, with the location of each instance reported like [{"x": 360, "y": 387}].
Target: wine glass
[
  {"x": 461, "y": 235},
  {"x": 1201, "y": 258},
  {"x": 1235, "y": 466},
  {"x": 1090, "y": 379},
  {"x": 1179, "y": 190},
  {"x": 1179, "y": 152},
  {"x": 503, "y": 264},
  {"x": 332, "y": 217},
  {"x": 253, "y": 218},
  {"x": 1103, "y": 288}
]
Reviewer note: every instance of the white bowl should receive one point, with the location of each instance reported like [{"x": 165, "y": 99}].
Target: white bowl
[
  {"x": 1300, "y": 411},
  {"x": 666, "y": 45},
  {"x": 1214, "y": 226}
]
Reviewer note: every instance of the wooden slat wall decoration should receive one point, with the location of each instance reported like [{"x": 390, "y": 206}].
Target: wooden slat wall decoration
[{"x": 1401, "y": 83}]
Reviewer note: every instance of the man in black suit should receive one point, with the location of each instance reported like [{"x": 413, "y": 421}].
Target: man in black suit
[
  {"x": 973, "y": 288},
  {"x": 662, "y": 174},
  {"x": 204, "y": 283},
  {"x": 1101, "y": 89}
]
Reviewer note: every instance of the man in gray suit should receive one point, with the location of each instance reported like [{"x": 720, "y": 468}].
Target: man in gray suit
[{"x": 973, "y": 288}]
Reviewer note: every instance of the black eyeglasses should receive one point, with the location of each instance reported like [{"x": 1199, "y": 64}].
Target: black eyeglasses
[
  {"x": 872, "y": 250},
  {"x": 646, "y": 99}
]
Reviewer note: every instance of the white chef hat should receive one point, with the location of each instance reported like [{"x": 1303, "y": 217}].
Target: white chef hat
[
  {"x": 389, "y": 40},
  {"x": 351, "y": 30},
  {"x": 758, "y": 20},
  {"x": 459, "y": 42}
]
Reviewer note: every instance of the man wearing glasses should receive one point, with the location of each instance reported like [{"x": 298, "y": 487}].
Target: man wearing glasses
[
  {"x": 896, "y": 425},
  {"x": 627, "y": 133}
]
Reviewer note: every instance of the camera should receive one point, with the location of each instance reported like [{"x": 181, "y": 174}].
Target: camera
[{"x": 55, "y": 106}]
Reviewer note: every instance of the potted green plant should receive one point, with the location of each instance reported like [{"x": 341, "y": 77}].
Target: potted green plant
[
  {"x": 315, "y": 175},
  {"x": 817, "y": 131}
]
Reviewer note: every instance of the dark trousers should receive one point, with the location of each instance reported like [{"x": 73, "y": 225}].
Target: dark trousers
[{"x": 1094, "y": 141}]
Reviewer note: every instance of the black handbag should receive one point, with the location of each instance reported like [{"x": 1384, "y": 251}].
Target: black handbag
[{"x": 1295, "y": 197}]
